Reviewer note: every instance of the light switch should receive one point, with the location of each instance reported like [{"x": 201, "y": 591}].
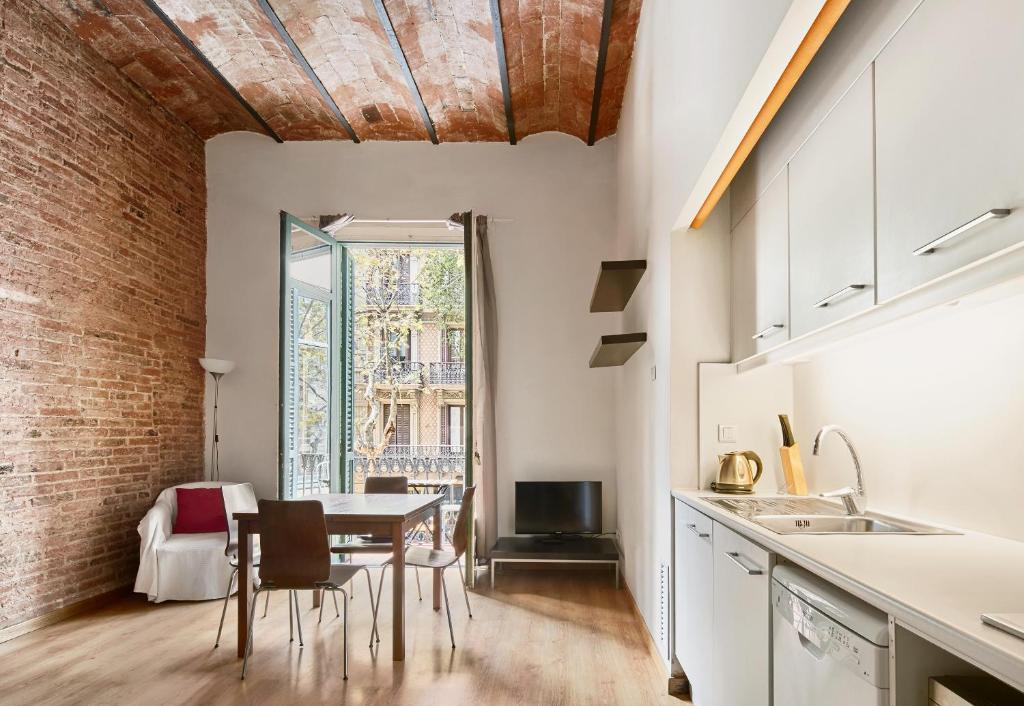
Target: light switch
[{"x": 726, "y": 434}]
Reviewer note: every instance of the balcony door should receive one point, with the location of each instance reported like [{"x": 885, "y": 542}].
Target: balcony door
[{"x": 312, "y": 425}]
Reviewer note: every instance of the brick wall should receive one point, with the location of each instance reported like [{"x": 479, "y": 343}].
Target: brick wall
[{"x": 102, "y": 314}]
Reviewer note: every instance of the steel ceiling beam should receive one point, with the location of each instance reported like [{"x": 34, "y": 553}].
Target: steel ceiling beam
[
  {"x": 301, "y": 59},
  {"x": 499, "y": 43},
  {"x": 183, "y": 38},
  {"x": 602, "y": 57},
  {"x": 396, "y": 47}
]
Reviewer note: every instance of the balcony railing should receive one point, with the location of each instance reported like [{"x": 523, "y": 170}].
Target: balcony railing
[
  {"x": 447, "y": 373},
  {"x": 403, "y": 371},
  {"x": 310, "y": 472}
]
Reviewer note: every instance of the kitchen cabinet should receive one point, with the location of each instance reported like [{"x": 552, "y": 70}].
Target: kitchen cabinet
[
  {"x": 950, "y": 139},
  {"x": 760, "y": 258},
  {"x": 832, "y": 215},
  {"x": 741, "y": 649},
  {"x": 694, "y": 599}
]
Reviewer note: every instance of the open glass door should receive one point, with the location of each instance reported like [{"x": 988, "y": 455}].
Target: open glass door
[{"x": 310, "y": 456}]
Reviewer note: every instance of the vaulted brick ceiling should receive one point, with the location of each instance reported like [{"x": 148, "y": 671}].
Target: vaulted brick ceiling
[{"x": 441, "y": 70}]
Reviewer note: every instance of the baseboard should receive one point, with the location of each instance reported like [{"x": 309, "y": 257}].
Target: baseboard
[{"x": 63, "y": 613}]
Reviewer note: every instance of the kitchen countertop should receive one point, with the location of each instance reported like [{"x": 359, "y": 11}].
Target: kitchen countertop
[{"x": 935, "y": 585}]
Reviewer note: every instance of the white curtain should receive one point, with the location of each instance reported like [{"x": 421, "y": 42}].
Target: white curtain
[{"x": 485, "y": 372}]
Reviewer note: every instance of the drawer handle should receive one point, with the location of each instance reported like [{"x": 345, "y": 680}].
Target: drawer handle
[
  {"x": 929, "y": 248},
  {"x": 693, "y": 528},
  {"x": 848, "y": 289},
  {"x": 766, "y": 333},
  {"x": 735, "y": 556}
]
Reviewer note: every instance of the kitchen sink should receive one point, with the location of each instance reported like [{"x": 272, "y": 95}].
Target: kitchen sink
[
  {"x": 811, "y": 515},
  {"x": 842, "y": 524}
]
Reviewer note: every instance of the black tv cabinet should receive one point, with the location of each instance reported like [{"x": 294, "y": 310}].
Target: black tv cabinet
[{"x": 570, "y": 550}]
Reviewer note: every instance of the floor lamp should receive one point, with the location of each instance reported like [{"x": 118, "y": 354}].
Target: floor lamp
[{"x": 217, "y": 369}]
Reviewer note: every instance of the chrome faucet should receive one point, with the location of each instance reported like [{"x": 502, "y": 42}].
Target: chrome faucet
[{"x": 854, "y": 499}]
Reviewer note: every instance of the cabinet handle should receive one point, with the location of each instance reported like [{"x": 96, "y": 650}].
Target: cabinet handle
[
  {"x": 770, "y": 331},
  {"x": 693, "y": 528},
  {"x": 735, "y": 556},
  {"x": 848, "y": 289},
  {"x": 929, "y": 248}
]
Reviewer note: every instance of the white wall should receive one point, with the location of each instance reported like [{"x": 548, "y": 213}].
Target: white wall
[
  {"x": 692, "y": 61},
  {"x": 935, "y": 409},
  {"x": 555, "y": 416}
]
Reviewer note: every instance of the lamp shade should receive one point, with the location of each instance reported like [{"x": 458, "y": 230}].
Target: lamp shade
[{"x": 217, "y": 366}]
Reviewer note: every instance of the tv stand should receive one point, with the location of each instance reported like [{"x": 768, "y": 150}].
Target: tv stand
[{"x": 529, "y": 550}]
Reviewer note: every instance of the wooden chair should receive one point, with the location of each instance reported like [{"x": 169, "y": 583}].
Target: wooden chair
[
  {"x": 382, "y": 485},
  {"x": 295, "y": 555},
  {"x": 429, "y": 558}
]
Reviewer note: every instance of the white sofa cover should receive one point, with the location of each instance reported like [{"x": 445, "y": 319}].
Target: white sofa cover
[{"x": 180, "y": 567}]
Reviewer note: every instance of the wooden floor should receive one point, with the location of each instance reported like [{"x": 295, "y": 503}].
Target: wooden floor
[{"x": 541, "y": 637}]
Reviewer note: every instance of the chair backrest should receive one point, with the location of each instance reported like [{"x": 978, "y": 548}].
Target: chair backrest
[
  {"x": 239, "y": 497},
  {"x": 386, "y": 485},
  {"x": 460, "y": 535},
  {"x": 294, "y": 550}
]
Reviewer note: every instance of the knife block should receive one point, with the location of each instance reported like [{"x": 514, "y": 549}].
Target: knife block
[{"x": 793, "y": 469}]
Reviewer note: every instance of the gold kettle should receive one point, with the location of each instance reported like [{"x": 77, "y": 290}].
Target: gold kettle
[{"x": 736, "y": 474}]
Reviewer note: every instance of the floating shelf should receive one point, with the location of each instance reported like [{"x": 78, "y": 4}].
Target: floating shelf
[
  {"x": 616, "y": 349},
  {"x": 615, "y": 284}
]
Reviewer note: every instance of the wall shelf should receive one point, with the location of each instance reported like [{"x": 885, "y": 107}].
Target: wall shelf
[
  {"x": 616, "y": 349},
  {"x": 616, "y": 282}
]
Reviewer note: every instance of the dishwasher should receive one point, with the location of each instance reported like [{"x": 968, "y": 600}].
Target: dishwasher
[{"x": 827, "y": 646}]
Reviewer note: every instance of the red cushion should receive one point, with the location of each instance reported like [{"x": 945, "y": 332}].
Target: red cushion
[{"x": 200, "y": 510}]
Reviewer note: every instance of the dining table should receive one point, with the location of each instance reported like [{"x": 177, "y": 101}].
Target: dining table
[{"x": 347, "y": 514}]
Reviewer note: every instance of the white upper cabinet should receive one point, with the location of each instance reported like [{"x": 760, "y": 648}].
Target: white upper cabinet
[
  {"x": 950, "y": 138},
  {"x": 832, "y": 215},
  {"x": 760, "y": 255}
]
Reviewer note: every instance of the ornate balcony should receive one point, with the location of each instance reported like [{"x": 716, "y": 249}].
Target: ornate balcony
[
  {"x": 448, "y": 373},
  {"x": 404, "y": 373}
]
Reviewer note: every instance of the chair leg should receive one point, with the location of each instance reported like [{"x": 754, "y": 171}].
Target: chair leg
[
  {"x": 335, "y": 597},
  {"x": 447, "y": 609},
  {"x": 248, "y": 639},
  {"x": 376, "y": 606},
  {"x": 419, "y": 591},
  {"x": 291, "y": 619},
  {"x": 323, "y": 598},
  {"x": 465, "y": 592},
  {"x": 266, "y": 604},
  {"x": 224, "y": 610},
  {"x": 369, "y": 589},
  {"x": 344, "y": 631},
  {"x": 298, "y": 618}
]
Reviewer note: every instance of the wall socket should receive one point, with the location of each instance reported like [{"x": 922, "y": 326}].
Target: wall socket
[{"x": 726, "y": 434}]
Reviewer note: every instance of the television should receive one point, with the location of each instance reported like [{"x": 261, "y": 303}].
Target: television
[{"x": 558, "y": 507}]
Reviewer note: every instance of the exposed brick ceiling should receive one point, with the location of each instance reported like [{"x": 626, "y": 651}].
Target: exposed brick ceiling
[{"x": 439, "y": 74}]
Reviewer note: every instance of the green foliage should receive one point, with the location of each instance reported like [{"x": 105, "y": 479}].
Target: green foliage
[{"x": 442, "y": 281}]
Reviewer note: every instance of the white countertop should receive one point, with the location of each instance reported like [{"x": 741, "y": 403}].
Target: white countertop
[{"x": 935, "y": 585}]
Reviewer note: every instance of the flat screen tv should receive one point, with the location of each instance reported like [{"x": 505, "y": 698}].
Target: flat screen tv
[{"x": 558, "y": 507}]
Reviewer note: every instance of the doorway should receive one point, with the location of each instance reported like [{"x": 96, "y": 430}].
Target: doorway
[{"x": 374, "y": 362}]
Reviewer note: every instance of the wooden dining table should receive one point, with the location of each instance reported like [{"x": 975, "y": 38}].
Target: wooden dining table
[{"x": 348, "y": 513}]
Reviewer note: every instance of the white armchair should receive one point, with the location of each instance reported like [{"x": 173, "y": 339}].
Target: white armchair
[{"x": 180, "y": 567}]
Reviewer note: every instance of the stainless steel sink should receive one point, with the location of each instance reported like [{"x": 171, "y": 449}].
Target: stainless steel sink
[
  {"x": 869, "y": 523},
  {"x": 811, "y": 515}
]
